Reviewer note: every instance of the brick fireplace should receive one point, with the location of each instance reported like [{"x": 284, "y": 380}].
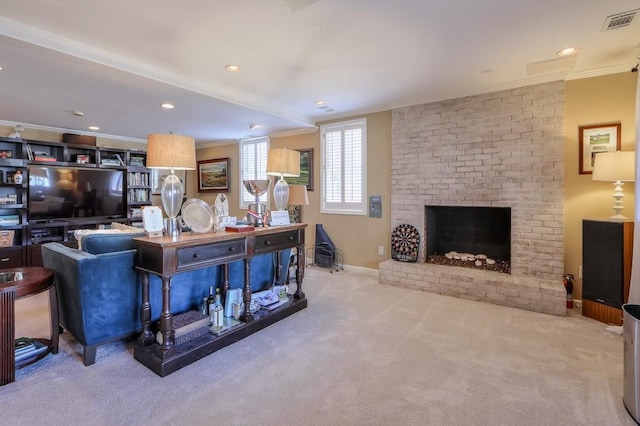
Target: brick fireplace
[{"x": 503, "y": 149}]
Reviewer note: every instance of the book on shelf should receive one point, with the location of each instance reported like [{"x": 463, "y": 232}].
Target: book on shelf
[
  {"x": 120, "y": 160},
  {"x": 9, "y": 220}
]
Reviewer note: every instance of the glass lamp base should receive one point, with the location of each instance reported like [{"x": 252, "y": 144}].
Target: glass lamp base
[{"x": 281, "y": 194}]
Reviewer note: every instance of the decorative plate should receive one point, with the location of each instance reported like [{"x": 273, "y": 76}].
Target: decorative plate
[
  {"x": 405, "y": 241},
  {"x": 197, "y": 215}
]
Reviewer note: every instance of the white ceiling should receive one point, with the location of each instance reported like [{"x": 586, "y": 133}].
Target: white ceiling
[{"x": 117, "y": 60}]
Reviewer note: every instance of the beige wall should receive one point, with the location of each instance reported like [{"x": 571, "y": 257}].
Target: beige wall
[
  {"x": 605, "y": 99},
  {"x": 587, "y": 101},
  {"x": 358, "y": 236}
]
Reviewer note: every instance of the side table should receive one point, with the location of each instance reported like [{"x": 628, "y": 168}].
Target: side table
[{"x": 34, "y": 280}]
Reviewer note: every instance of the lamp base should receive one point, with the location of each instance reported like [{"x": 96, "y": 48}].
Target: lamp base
[
  {"x": 173, "y": 227},
  {"x": 281, "y": 193}
]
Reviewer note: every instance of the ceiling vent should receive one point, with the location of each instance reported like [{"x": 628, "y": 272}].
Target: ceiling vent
[{"x": 619, "y": 20}]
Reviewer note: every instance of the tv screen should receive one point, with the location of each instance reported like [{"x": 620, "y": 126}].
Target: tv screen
[{"x": 73, "y": 193}]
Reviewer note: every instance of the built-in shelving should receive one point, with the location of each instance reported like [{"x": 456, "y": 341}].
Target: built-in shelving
[{"x": 18, "y": 154}]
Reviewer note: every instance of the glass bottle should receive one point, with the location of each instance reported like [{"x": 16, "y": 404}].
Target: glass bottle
[
  {"x": 216, "y": 315},
  {"x": 211, "y": 301}
]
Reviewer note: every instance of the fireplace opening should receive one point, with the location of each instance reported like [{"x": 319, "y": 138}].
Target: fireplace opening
[{"x": 474, "y": 237}]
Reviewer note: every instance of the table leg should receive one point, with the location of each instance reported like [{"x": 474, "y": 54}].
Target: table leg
[
  {"x": 146, "y": 336},
  {"x": 7, "y": 337},
  {"x": 53, "y": 312},
  {"x": 299, "y": 294},
  {"x": 246, "y": 316},
  {"x": 225, "y": 281},
  {"x": 166, "y": 318}
]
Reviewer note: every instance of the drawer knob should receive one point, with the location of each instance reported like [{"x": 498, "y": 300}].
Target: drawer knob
[
  {"x": 267, "y": 242},
  {"x": 232, "y": 249},
  {"x": 196, "y": 255},
  {"x": 4, "y": 259},
  {"x": 290, "y": 237}
]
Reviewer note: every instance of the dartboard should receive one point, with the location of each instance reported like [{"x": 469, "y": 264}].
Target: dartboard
[{"x": 405, "y": 241}]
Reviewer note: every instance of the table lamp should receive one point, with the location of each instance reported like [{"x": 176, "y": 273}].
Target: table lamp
[
  {"x": 172, "y": 152},
  {"x": 282, "y": 162},
  {"x": 617, "y": 167},
  {"x": 297, "y": 198}
]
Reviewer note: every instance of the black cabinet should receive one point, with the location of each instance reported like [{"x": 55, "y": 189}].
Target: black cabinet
[{"x": 606, "y": 258}]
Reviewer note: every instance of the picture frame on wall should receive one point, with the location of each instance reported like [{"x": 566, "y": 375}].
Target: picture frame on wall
[
  {"x": 306, "y": 170},
  {"x": 594, "y": 139},
  {"x": 213, "y": 175},
  {"x": 159, "y": 175}
]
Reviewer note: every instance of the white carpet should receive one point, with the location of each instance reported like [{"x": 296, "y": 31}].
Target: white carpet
[{"x": 360, "y": 354}]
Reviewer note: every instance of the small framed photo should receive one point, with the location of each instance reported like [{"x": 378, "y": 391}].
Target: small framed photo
[
  {"x": 6, "y": 153},
  {"x": 213, "y": 175},
  {"x": 83, "y": 159},
  {"x": 595, "y": 139}
]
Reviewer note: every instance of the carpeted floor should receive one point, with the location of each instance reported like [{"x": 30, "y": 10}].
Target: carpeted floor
[{"x": 360, "y": 354}]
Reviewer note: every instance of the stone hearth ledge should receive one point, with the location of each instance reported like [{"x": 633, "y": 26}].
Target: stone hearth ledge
[{"x": 523, "y": 292}]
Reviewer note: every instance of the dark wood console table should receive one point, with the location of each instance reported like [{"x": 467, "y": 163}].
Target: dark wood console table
[{"x": 165, "y": 257}]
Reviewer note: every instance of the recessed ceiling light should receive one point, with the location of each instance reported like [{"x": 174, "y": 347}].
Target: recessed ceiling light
[
  {"x": 232, "y": 68},
  {"x": 94, "y": 128},
  {"x": 319, "y": 103},
  {"x": 254, "y": 126},
  {"x": 167, "y": 105},
  {"x": 567, "y": 51}
]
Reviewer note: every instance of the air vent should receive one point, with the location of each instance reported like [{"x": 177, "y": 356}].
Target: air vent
[{"x": 619, "y": 20}]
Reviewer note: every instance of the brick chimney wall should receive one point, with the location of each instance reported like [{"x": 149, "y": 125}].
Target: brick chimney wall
[{"x": 501, "y": 149}]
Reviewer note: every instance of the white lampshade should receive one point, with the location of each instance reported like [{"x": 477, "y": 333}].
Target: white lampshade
[
  {"x": 282, "y": 162},
  {"x": 173, "y": 152},
  {"x": 614, "y": 166},
  {"x": 617, "y": 167}
]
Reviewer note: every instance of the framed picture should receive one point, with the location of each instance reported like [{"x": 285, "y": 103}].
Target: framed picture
[
  {"x": 594, "y": 139},
  {"x": 306, "y": 170},
  {"x": 83, "y": 159},
  {"x": 159, "y": 175},
  {"x": 6, "y": 153},
  {"x": 213, "y": 175}
]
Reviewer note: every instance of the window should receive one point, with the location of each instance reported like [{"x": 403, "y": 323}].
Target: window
[
  {"x": 253, "y": 165},
  {"x": 344, "y": 177}
]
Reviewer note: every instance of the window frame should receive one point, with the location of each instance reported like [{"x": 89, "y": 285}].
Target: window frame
[
  {"x": 265, "y": 198},
  {"x": 343, "y": 207}
]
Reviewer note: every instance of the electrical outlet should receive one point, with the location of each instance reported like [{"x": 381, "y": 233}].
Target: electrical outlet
[
  {"x": 580, "y": 271},
  {"x": 380, "y": 251}
]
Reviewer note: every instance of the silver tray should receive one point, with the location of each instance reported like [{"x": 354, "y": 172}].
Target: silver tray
[{"x": 197, "y": 215}]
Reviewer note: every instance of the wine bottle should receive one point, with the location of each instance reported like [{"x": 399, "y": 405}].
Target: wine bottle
[{"x": 211, "y": 301}]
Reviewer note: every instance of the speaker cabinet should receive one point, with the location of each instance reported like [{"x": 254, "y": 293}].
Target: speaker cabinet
[{"x": 606, "y": 258}]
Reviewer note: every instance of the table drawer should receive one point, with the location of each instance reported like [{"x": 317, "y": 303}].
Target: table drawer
[
  {"x": 11, "y": 257},
  {"x": 276, "y": 241},
  {"x": 207, "y": 252}
]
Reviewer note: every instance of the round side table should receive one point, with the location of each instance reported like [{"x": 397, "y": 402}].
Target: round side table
[{"x": 34, "y": 280}]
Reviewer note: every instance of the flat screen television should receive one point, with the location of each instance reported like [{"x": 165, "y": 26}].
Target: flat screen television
[{"x": 67, "y": 193}]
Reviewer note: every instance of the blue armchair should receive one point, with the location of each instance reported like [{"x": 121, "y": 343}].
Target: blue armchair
[{"x": 99, "y": 294}]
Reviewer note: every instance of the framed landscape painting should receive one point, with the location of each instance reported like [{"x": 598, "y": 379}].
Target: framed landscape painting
[
  {"x": 213, "y": 175},
  {"x": 306, "y": 170}
]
